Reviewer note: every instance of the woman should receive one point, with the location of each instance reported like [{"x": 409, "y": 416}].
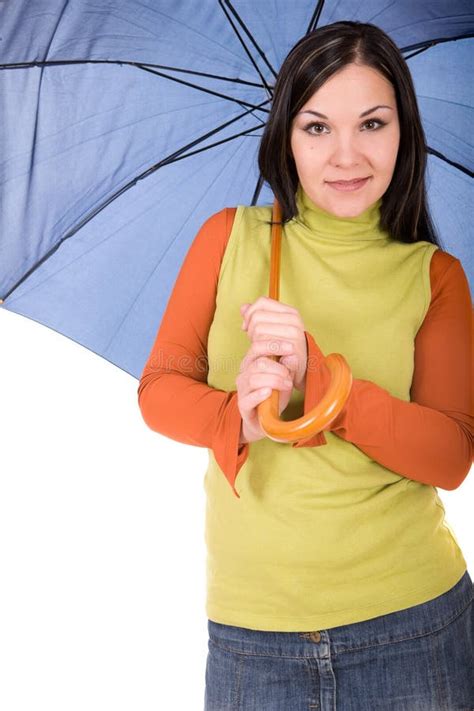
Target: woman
[{"x": 333, "y": 579}]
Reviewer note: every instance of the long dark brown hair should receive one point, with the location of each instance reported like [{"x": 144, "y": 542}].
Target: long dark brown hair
[{"x": 404, "y": 211}]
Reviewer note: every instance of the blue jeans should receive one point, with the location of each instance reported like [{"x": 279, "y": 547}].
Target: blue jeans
[{"x": 417, "y": 659}]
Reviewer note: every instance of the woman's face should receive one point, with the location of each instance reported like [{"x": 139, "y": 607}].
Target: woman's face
[{"x": 344, "y": 145}]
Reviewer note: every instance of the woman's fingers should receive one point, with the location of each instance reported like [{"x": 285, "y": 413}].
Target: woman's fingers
[
  {"x": 265, "y": 371},
  {"x": 269, "y": 319},
  {"x": 258, "y": 376},
  {"x": 267, "y": 304},
  {"x": 266, "y": 330},
  {"x": 276, "y": 381},
  {"x": 257, "y": 387},
  {"x": 267, "y": 347}
]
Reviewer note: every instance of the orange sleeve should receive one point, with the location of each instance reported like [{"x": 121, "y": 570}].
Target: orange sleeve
[
  {"x": 431, "y": 438},
  {"x": 173, "y": 394}
]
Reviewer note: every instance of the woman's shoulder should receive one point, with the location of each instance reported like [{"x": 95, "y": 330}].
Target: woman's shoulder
[
  {"x": 225, "y": 217},
  {"x": 447, "y": 275},
  {"x": 441, "y": 262},
  {"x": 245, "y": 216},
  {"x": 217, "y": 227}
]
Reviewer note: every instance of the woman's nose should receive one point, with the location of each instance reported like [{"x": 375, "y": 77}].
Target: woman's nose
[{"x": 345, "y": 154}]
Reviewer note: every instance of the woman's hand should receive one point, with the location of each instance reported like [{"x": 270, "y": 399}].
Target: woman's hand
[
  {"x": 268, "y": 319},
  {"x": 258, "y": 376}
]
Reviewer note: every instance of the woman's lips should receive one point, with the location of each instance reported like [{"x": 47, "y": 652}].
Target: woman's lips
[{"x": 349, "y": 185}]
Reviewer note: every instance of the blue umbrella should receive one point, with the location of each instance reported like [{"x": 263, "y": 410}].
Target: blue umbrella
[{"x": 125, "y": 125}]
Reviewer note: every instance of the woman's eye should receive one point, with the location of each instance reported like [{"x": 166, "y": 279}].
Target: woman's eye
[
  {"x": 380, "y": 123},
  {"x": 312, "y": 125},
  {"x": 322, "y": 125}
]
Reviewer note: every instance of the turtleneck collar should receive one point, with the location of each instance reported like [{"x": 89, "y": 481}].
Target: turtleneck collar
[{"x": 325, "y": 225}]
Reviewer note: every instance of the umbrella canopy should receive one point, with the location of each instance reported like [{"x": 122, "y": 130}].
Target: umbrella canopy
[{"x": 124, "y": 126}]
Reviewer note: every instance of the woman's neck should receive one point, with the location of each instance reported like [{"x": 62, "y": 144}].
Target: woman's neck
[{"x": 365, "y": 226}]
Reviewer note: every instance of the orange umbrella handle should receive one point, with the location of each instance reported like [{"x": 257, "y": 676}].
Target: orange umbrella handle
[{"x": 339, "y": 388}]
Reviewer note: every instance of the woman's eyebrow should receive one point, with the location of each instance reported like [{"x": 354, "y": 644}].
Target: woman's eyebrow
[{"x": 364, "y": 113}]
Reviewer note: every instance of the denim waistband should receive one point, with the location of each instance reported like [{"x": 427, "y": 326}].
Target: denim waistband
[{"x": 416, "y": 621}]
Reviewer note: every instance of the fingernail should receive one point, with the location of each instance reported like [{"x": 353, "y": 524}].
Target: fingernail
[{"x": 288, "y": 382}]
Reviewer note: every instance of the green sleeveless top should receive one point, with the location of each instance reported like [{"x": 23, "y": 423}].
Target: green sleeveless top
[{"x": 323, "y": 536}]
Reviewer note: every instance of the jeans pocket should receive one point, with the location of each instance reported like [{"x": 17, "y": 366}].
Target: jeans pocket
[
  {"x": 453, "y": 648},
  {"x": 223, "y": 669}
]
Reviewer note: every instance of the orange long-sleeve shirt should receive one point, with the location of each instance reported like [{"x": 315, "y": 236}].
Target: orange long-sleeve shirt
[{"x": 429, "y": 439}]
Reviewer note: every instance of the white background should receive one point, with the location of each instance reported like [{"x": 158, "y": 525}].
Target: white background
[{"x": 102, "y": 551}]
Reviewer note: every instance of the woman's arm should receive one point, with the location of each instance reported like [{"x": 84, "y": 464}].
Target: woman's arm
[
  {"x": 431, "y": 438},
  {"x": 173, "y": 394}
]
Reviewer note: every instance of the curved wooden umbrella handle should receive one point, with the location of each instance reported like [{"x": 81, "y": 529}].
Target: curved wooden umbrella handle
[{"x": 339, "y": 388}]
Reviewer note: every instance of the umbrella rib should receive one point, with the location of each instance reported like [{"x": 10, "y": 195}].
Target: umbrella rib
[
  {"x": 217, "y": 143},
  {"x": 177, "y": 154},
  {"x": 146, "y": 68},
  {"x": 168, "y": 247},
  {"x": 242, "y": 102},
  {"x": 313, "y": 23},
  {"x": 459, "y": 166},
  {"x": 174, "y": 157},
  {"x": 252, "y": 39},
  {"x": 65, "y": 62},
  {"x": 443, "y": 101},
  {"x": 257, "y": 190},
  {"x": 53, "y": 33},
  {"x": 419, "y": 51},
  {"x": 426, "y": 44}
]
